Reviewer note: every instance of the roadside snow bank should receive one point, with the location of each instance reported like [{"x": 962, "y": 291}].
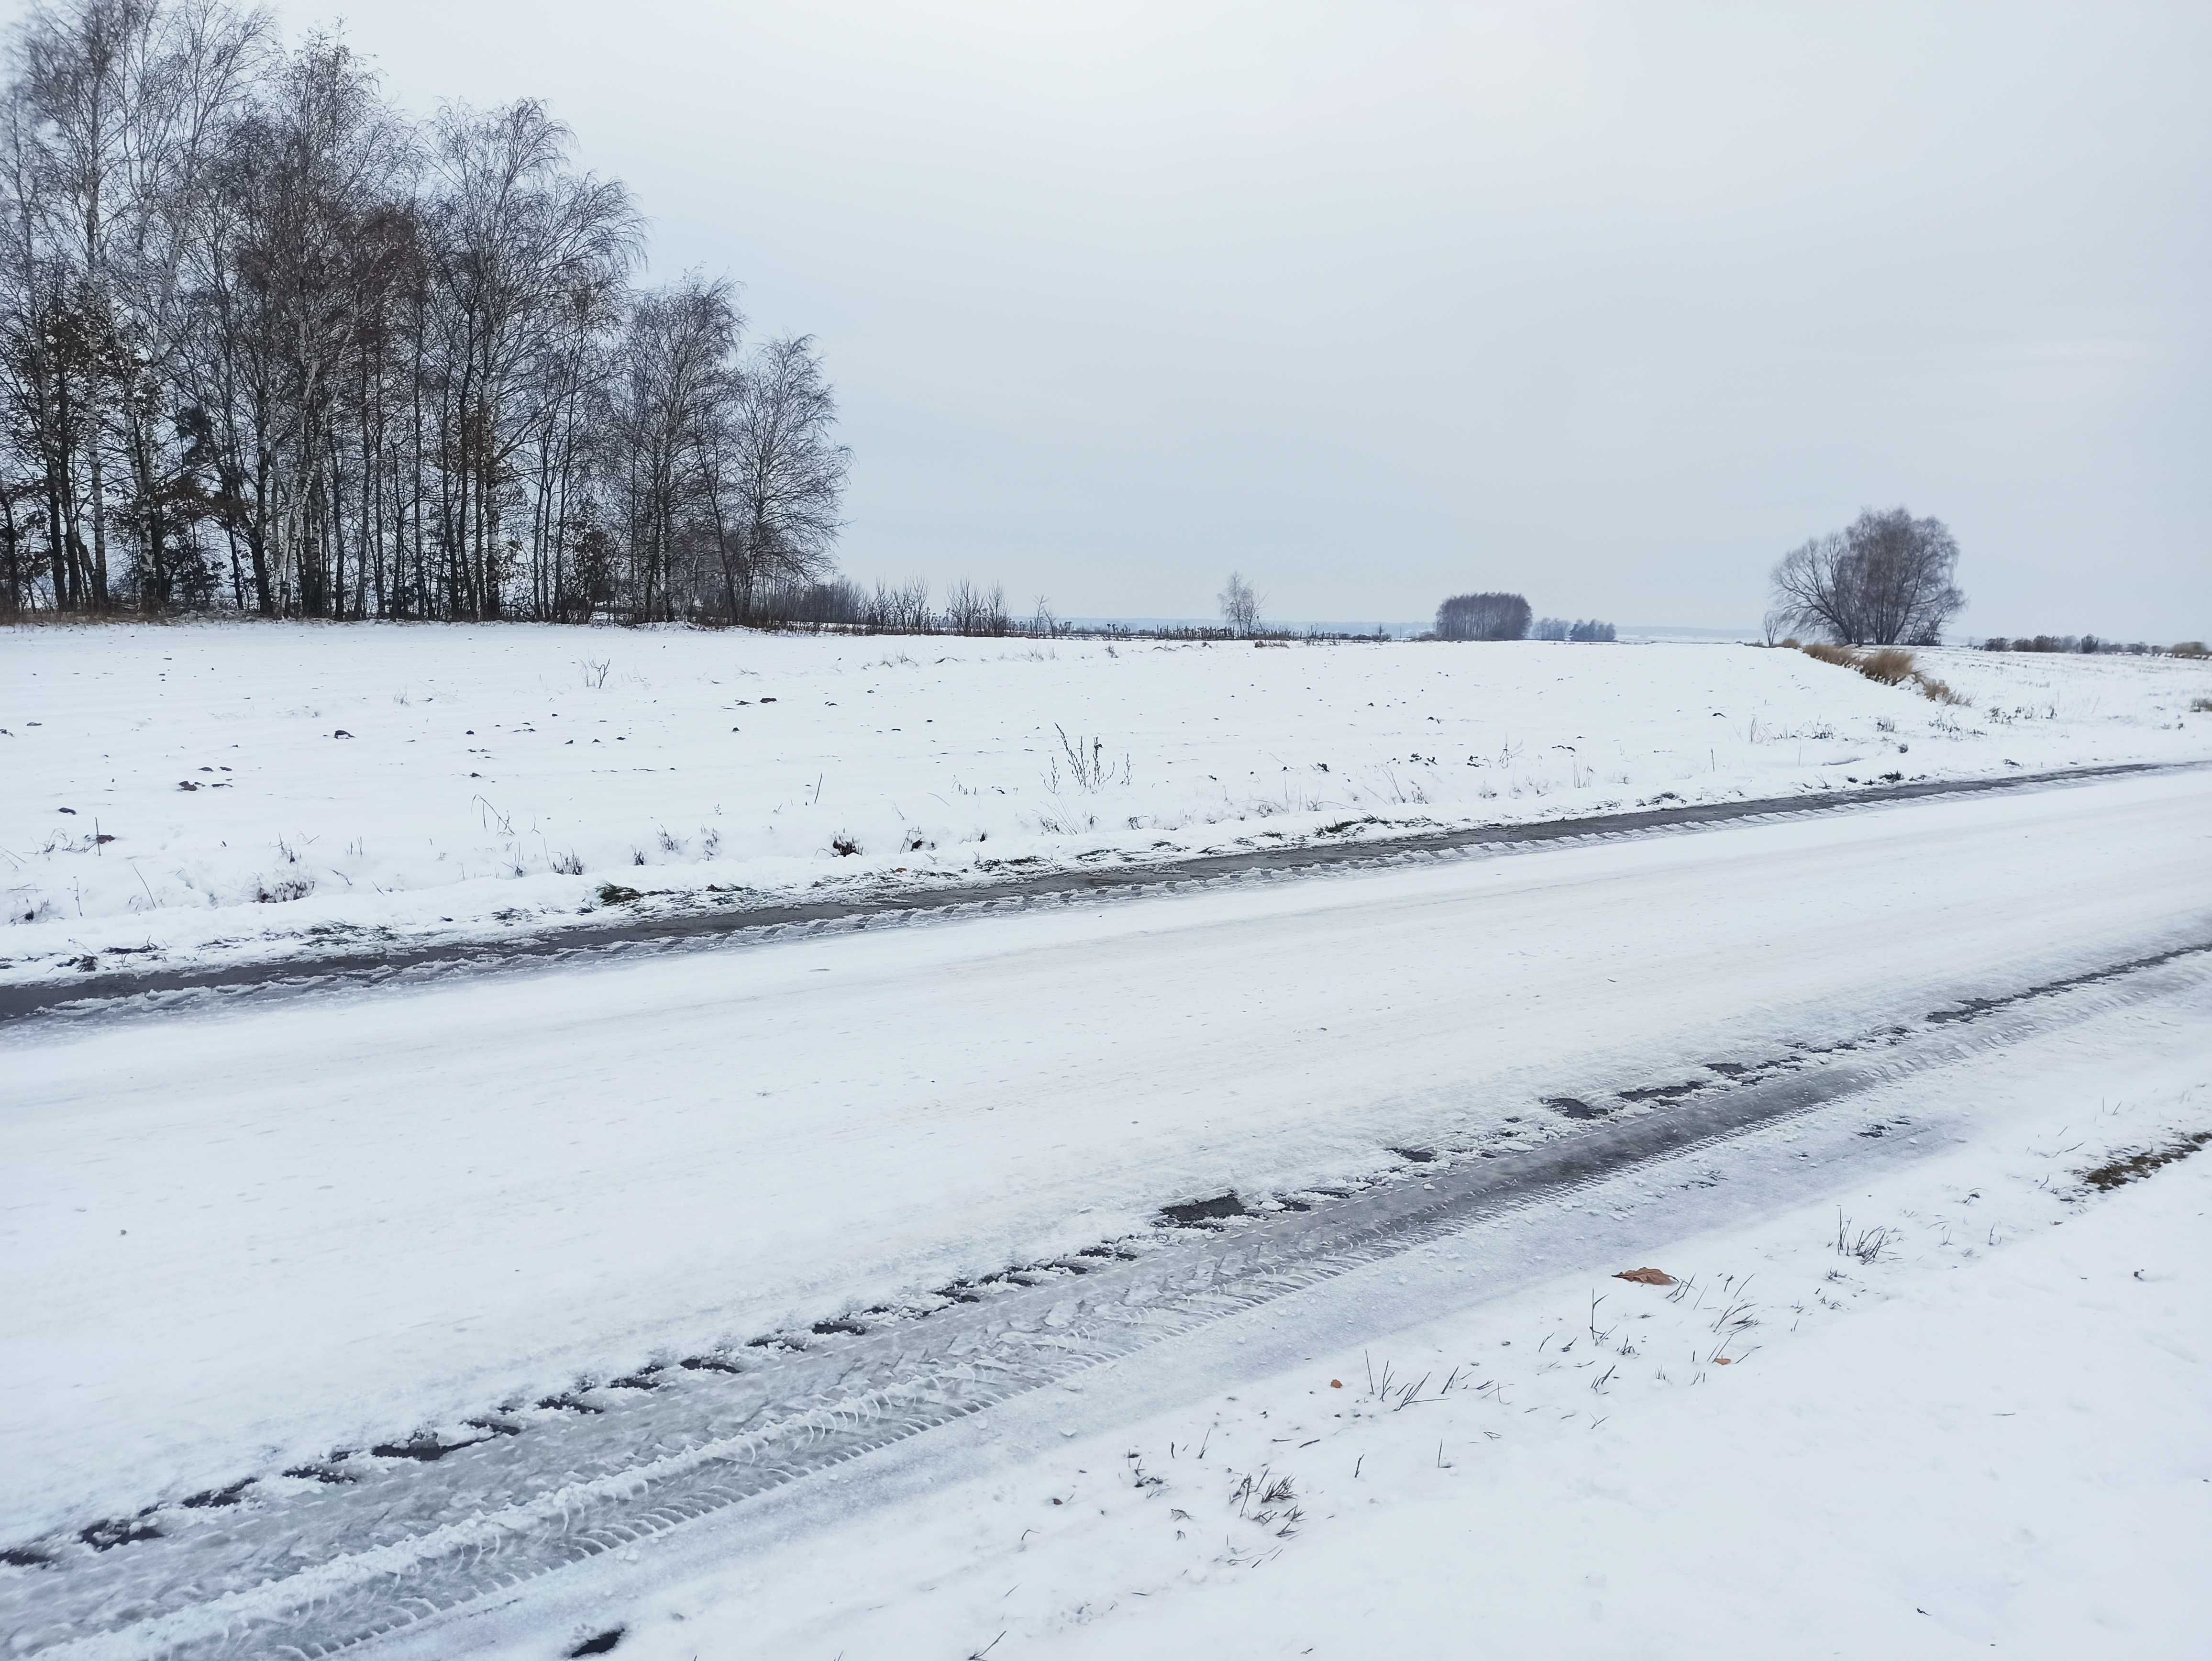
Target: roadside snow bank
[{"x": 225, "y": 789}]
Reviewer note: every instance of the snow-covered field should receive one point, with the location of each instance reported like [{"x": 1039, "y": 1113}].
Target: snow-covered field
[{"x": 217, "y": 790}]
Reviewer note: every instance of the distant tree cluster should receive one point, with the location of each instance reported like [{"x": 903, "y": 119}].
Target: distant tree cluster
[
  {"x": 2091, "y": 644},
  {"x": 1561, "y": 629},
  {"x": 1483, "y": 617},
  {"x": 265, "y": 343},
  {"x": 1887, "y": 579},
  {"x": 898, "y": 608}
]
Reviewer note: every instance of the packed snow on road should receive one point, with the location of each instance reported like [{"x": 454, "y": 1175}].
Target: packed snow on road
[{"x": 203, "y": 792}]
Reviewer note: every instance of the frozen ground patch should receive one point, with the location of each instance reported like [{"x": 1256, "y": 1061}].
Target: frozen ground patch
[{"x": 206, "y": 791}]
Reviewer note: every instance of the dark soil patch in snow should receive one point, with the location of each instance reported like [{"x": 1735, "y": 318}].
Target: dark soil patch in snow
[
  {"x": 427, "y": 1449},
  {"x": 1663, "y": 1093},
  {"x": 568, "y": 1402},
  {"x": 1574, "y": 1107},
  {"x": 229, "y": 1496},
  {"x": 850, "y": 1329},
  {"x": 1417, "y": 1155},
  {"x": 118, "y": 1531},
  {"x": 328, "y": 1473},
  {"x": 599, "y": 1642},
  {"x": 2134, "y": 1167},
  {"x": 1195, "y": 1213},
  {"x": 25, "y": 1557}
]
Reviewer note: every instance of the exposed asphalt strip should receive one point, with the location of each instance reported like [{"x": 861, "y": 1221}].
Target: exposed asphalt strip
[
  {"x": 319, "y": 972},
  {"x": 402, "y": 1533}
]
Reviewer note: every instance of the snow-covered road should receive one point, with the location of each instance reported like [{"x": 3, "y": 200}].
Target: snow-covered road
[{"x": 233, "y": 1242}]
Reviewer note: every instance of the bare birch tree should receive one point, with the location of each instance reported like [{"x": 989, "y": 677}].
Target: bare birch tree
[{"x": 266, "y": 342}]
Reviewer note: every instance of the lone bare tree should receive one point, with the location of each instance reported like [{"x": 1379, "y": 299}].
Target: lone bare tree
[
  {"x": 1240, "y": 606},
  {"x": 1884, "y": 580}
]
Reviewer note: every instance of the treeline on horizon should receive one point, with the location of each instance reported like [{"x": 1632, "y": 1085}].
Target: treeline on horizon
[
  {"x": 1508, "y": 617},
  {"x": 2091, "y": 645},
  {"x": 268, "y": 344}
]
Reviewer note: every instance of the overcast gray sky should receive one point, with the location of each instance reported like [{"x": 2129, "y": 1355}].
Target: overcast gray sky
[{"x": 1608, "y": 303}]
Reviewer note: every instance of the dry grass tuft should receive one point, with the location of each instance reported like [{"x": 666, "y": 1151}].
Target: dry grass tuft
[
  {"x": 2134, "y": 1167},
  {"x": 1889, "y": 666}
]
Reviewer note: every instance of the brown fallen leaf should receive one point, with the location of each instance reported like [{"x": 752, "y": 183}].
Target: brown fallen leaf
[
  {"x": 1647, "y": 1277},
  {"x": 1336, "y": 1383}
]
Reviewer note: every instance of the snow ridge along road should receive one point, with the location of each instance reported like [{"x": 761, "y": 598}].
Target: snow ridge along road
[
  {"x": 434, "y": 1528},
  {"x": 693, "y": 924}
]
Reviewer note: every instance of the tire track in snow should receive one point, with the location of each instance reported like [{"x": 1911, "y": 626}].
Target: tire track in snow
[
  {"x": 313, "y": 1574},
  {"x": 156, "y": 991}
]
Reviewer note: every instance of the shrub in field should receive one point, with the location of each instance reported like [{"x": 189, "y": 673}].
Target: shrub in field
[{"x": 2189, "y": 648}]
